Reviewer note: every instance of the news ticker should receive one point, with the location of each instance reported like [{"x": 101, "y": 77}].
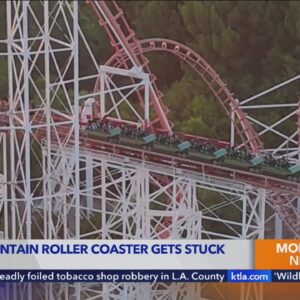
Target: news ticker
[
  {"x": 153, "y": 276},
  {"x": 150, "y": 255}
]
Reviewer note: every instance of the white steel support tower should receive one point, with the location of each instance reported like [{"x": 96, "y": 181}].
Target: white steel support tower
[
  {"x": 43, "y": 95},
  {"x": 40, "y": 105}
]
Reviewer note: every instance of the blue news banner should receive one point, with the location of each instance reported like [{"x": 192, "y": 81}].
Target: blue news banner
[{"x": 22, "y": 276}]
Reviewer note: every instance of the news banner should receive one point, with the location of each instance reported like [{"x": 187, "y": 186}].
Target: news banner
[{"x": 150, "y": 261}]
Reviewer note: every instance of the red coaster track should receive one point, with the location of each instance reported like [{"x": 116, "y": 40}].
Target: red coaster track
[
  {"x": 130, "y": 53},
  {"x": 209, "y": 76},
  {"x": 123, "y": 38}
]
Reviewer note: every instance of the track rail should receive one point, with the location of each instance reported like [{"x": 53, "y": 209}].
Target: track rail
[
  {"x": 244, "y": 128},
  {"x": 209, "y": 169},
  {"x": 246, "y": 177},
  {"x": 282, "y": 190},
  {"x": 122, "y": 37}
]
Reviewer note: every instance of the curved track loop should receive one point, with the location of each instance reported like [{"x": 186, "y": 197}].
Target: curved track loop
[
  {"x": 247, "y": 133},
  {"x": 128, "y": 47}
]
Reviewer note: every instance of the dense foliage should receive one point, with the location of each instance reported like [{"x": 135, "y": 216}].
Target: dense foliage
[{"x": 253, "y": 45}]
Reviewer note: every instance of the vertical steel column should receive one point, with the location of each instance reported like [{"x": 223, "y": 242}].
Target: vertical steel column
[
  {"x": 7, "y": 286},
  {"x": 45, "y": 203},
  {"x": 27, "y": 124},
  {"x": 75, "y": 47},
  {"x": 232, "y": 127},
  {"x": 173, "y": 230},
  {"x": 4, "y": 188},
  {"x": 262, "y": 210},
  {"x": 139, "y": 204},
  {"x": 145, "y": 205},
  {"x": 89, "y": 184},
  {"x": 244, "y": 216},
  {"x": 146, "y": 82},
  {"x": 103, "y": 199},
  {"x": 10, "y": 59},
  {"x": 125, "y": 203},
  {"x": 27, "y": 127},
  {"x": 194, "y": 208},
  {"x": 147, "y": 231},
  {"x": 278, "y": 226},
  {"x": 102, "y": 93},
  {"x": 47, "y": 168}
]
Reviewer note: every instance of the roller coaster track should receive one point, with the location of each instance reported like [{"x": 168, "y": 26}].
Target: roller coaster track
[
  {"x": 130, "y": 53},
  {"x": 244, "y": 128},
  {"x": 282, "y": 190},
  {"x": 123, "y": 38}
]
